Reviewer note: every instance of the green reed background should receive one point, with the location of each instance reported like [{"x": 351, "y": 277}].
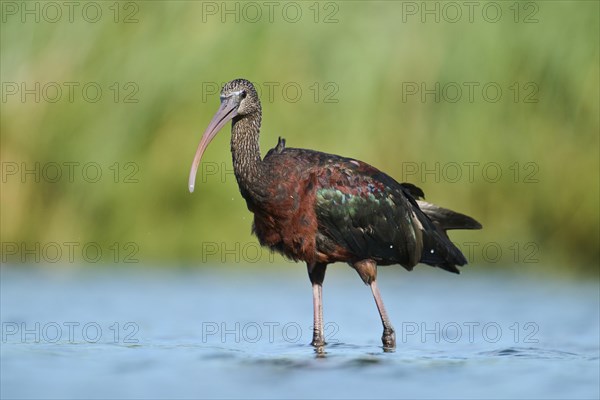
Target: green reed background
[{"x": 158, "y": 64}]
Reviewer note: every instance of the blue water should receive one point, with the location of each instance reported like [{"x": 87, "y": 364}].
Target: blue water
[{"x": 241, "y": 333}]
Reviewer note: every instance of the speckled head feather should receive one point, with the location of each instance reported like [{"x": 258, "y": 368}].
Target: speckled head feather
[{"x": 250, "y": 103}]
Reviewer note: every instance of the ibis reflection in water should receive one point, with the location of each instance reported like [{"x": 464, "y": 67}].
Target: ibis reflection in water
[{"x": 321, "y": 208}]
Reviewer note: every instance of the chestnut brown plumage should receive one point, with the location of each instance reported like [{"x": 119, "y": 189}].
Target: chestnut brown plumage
[{"x": 321, "y": 208}]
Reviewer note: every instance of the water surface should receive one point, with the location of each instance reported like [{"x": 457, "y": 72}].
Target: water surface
[{"x": 244, "y": 333}]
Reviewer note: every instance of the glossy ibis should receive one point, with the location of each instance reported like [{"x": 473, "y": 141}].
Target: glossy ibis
[{"x": 321, "y": 208}]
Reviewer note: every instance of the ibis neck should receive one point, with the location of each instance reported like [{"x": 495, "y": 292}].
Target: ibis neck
[{"x": 245, "y": 148}]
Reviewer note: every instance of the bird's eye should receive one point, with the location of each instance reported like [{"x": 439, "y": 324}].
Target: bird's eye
[{"x": 243, "y": 94}]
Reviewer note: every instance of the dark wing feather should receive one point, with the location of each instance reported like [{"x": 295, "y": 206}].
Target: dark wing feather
[
  {"x": 369, "y": 219},
  {"x": 370, "y": 214},
  {"x": 373, "y": 216}
]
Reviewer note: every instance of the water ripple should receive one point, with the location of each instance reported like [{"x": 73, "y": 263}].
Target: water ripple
[{"x": 531, "y": 352}]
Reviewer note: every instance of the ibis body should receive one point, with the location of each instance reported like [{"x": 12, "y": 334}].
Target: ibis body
[{"x": 322, "y": 208}]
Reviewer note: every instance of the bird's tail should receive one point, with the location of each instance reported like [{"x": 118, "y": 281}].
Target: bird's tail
[
  {"x": 438, "y": 250},
  {"x": 446, "y": 219}
]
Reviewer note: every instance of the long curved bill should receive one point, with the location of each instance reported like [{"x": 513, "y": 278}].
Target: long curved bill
[{"x": 226, "y": 112}]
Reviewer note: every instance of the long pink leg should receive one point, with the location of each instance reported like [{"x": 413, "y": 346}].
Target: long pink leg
[
  {"x": 318, "y": 335},
  {"x": 367, "y": 269},
  {"x": 389, "y": 336},
  {"x": 316, "y": 274}
]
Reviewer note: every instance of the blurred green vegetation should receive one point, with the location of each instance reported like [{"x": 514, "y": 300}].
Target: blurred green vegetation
[{"x": 365, "y": 59}]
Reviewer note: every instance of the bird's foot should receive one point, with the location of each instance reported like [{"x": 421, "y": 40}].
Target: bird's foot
[
  {"x": 318, "y": 340},
  {"x": 389, "y": 339}
]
